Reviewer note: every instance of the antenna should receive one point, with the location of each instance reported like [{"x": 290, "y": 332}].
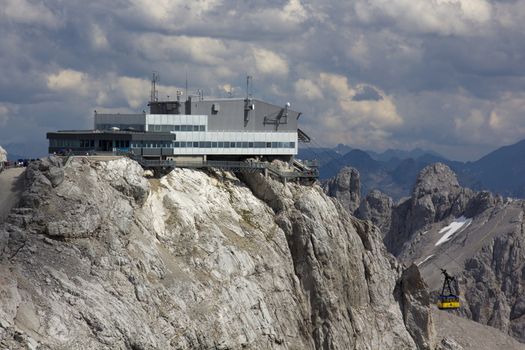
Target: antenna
[
  {"x": 154, "y": 93},
  {"x": 249, "y": 82},
  {"x": 186, "y": 81}
]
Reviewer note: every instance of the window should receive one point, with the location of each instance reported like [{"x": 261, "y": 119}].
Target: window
[
  {"x": 214, "y": 144},
  {"x": 220, "y": 144},
  {"x": 292, "y": 144},
  {"x": 232, "y": 144},
  {"x": 202, "y": 127},
  {"x": 195, "y": 128},
  {"x": 268, "y": 145},
  {"x": 177, "y": 127},
  {"x": 245, "y": 145},
  {"x": 195, "y": 145},
  {"x": 250, "y": 144}
]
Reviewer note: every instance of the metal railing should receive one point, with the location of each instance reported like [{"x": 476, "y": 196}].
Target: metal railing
[{"x": 236, "y": 166}]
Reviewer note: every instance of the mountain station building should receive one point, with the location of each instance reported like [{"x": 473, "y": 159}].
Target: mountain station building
[{"x": 195, "y": 129}]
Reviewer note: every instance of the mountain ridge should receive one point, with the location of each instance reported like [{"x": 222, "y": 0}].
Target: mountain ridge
[{"x": 501, "y": 171}]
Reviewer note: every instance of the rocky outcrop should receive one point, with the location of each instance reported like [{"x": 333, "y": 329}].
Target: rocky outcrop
[
  {"x": 495, "y": 284},
  {"x": 346, "y": 187},
  {"x": 100, "y": 258},
  {"x": 3, "y": 155},
  {"x": 416, "y": 307},
  {"x": 436, "y": 196},
  {"x": 376, "y": 207}
]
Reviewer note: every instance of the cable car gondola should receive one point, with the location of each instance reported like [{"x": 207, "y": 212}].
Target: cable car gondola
[{"x": 450, "y": 300}]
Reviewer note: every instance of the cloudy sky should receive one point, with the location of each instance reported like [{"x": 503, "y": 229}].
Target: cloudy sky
[{"x": 446, "y": 75}]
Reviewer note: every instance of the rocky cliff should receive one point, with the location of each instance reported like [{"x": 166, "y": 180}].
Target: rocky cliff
[
  {"x": 345, "y": 186},
  {"x": 98, "y": 257}
]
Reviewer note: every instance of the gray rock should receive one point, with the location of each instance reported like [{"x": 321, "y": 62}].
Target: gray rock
[
  {"x": 436, "y": 196},
  {"x": 377, "y": 207},
  {"x": 346, "y": 187},
  {"x": 416, "y": 306},
  {"x": 449, "y": 344},
  {"x": 108, "y": 260}
]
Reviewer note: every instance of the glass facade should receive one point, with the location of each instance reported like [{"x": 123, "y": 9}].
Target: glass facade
[
  {"x": 225, "y": 144},
  {"x": 168, "y": 128}
]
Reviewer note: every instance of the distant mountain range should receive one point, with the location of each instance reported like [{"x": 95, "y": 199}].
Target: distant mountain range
[{"x": 394, "y": 171}]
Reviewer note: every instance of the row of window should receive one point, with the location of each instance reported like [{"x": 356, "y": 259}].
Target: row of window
[
  {"x": 226, "y": 144},
  {"x": 167, "y": 144},
  {"x": 67, "y": 143},
  {"x": 152, "y": 144},
  {"x": 168, "y": 128}
]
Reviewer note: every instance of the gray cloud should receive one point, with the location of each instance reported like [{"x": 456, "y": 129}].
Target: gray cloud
[{"x": 376, "y": 74}]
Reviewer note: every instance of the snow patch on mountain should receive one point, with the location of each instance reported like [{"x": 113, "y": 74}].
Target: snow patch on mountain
[{"x": 458, "y": 225}]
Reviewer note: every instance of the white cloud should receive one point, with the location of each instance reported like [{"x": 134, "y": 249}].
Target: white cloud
[
  {"x": 134, "y": 90},
  {"x": 305, "y": 88},
  {"x": 444, "y": 17},
  {"x": 361, "y": 123},
  {"x": 30, "y": 13},
  {"x": 67, "y": 79},
  {"x": 268, "y": 62},
  {"x": 105, "y": 90}
]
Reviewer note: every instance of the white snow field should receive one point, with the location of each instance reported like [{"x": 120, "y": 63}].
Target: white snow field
[{"x": 458, "y": 225}]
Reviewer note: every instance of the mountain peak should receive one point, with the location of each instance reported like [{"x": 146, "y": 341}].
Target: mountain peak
[{"x": 436, "y": 177}]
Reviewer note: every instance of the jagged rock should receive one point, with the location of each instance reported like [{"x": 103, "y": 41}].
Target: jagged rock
[
  {"x": 436, "y": 196},
  {"x": 482, "y": 201},
  {"x": 416, "y": 307},
  {"x": 108, "y": 261},
  {"x": 345, "y": 187},
  {"x": 377, "y": 207}
]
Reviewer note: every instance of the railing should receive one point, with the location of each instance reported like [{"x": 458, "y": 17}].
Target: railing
[{"x": 249, "y": 166}]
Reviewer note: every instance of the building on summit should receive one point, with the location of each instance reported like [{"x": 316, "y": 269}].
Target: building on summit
[{"x": 197, "y": 129}]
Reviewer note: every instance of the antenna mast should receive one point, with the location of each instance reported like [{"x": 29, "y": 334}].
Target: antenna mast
[
  {"x": 248, "y": 86},
  {"x": 154, "y": 93},
  {"x": 186, "y": 82}
]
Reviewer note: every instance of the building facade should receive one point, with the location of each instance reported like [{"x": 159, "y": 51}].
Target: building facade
[{"x": 201, "y": 128}]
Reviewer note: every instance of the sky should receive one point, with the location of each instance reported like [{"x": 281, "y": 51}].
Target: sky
[{"x": 444, "y": 75}]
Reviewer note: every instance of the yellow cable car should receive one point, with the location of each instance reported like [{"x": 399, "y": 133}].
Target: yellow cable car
[{"x": 450, "y": 300}]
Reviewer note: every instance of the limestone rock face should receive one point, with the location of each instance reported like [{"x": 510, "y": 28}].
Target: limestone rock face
[
  {"x": 346, "y": 187},
  {"x": 100, "y": 258},
  {"x": 377, "y": 207},
  {"x": 495, "y": 284},
  {"x": 416, "y": 306},
  {"x": 3, "y": 155}
]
